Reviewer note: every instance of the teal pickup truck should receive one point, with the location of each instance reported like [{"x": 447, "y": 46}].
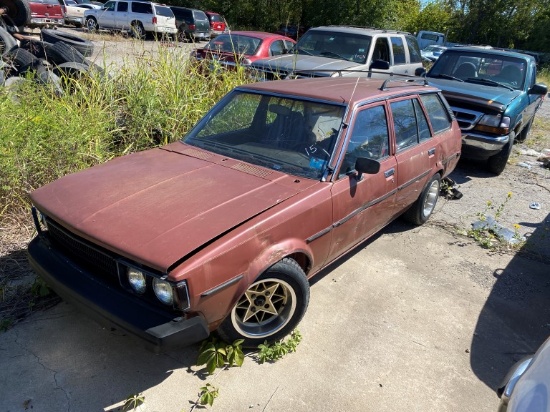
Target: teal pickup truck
[{"x": 494, "y": 96}]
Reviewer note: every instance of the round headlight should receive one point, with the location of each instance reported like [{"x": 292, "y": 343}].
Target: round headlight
[
  {"x": 137, "y": 280},
  {"x": 163, "y": 290}
]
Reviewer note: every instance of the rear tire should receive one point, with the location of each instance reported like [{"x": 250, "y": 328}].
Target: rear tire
[
  {"x": 137, "y": 30},
  {"x": 422, "y": 209}
]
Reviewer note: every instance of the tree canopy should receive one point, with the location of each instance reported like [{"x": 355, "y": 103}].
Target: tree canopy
[{"x": 521, "y": 24}]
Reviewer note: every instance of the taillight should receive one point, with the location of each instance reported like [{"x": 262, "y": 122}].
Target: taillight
[
  {"x": 154, "y": 20},
  {"x": 192, "y": 27}
]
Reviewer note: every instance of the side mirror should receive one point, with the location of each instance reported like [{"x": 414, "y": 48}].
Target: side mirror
[
  {"x": 379, "y": 65},
  {"x": 366, "y": 165},
  {"x": 538, "y": 88},
  {"x": 421, "y": 71}
]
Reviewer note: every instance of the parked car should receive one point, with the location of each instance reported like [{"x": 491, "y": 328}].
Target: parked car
[
  {"x": 346, "y": 51},
  {"x": 192, "y": 24},
  {"x": 493, "y": 94},
  {"x": 45, "y": 13},
  {"x": 223, "y": 229},
  {"x": 243, "y": 47},
  {"x": 294, "y": 31},
  {"x": 526, "y": 387},
  {"x": 74, "y": 12},
  {"x": 218, "y": 25},
  {"x": 432, "y": 52},
  {"x": 135, "y": 17}
]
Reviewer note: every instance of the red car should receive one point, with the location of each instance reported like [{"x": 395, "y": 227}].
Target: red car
[
  {"x": 223, "y": 229},
  {"x": 243, "y": 46},
  {"x": 218, "y": 24}
]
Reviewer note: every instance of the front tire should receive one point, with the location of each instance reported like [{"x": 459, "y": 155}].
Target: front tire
[
  {"x": 91, "y": 24},
  {"x": 422, "y": 209},
  {"x": 271, "y": 307},
  {"x": 497, "y": 163}
]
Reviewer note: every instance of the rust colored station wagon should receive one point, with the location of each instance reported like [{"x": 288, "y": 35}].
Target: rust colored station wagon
[{"x": 223, "y": 229}]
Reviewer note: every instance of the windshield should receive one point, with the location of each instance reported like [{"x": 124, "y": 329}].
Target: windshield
[
  {"x": 289, "y": 135},
  {"x": 234, "y": 43},
  {"x": 483, "y": 68},
  {"x": 335, "y": 45}
]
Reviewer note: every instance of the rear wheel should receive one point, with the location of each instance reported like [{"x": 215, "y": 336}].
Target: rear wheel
[
  {"x": 270, "y": 308},
  {"x": 424, "y": 206},
  {"x": 137, "y": 30}
]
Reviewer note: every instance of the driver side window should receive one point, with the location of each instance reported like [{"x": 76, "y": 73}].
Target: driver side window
[{"x": 369, "y": 138}]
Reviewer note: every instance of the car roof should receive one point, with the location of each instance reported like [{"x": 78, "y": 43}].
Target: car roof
[
  {"x": 358, "y": 30},
  {"x": 258, "y": 34},
  {"x": 344, "y": 90},
  {"x": 496, "y": 52}
]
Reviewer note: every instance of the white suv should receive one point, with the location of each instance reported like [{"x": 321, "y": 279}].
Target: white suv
[
  {"x": 135, "y": 17},
  {"x": 346, "y": 51}
]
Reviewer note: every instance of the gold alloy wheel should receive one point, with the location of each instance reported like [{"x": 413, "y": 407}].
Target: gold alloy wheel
[{"x": 264, "y": 309}]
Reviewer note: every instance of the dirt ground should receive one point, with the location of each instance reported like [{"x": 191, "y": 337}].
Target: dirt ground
[{"x": 521, "y": 193}]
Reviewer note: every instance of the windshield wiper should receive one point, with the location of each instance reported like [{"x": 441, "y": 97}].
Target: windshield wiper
[
  {"x": 448, "y": 76},
  {"x": 329, "y": 53},
  {"x": 489, "y": 82}
]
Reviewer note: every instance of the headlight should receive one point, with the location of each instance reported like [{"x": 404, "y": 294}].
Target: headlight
[
  {"x": 494, "y": 124},
  {"x": 163, "y": 290},
  {"x": 136, "y": 278}
]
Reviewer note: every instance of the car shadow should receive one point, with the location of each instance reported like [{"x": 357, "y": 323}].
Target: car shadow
[{"x": 515, "y": 319}]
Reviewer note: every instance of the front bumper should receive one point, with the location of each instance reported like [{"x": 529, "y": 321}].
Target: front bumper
[
  {"x": 479, "y": 146},
  {"x": 110, "y": 306}
]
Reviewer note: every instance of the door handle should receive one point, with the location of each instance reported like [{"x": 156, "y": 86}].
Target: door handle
[
  {"x": 431, "y": 152},
  {"x": 389, "y": 173}
]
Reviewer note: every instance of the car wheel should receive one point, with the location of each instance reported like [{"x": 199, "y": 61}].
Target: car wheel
[
  {"x": 181, "y": 36},
  {"x": 525, "y": 132},
  {"x": 497, "y": 163},
  {"x": 271, "y": 307},
  {"x": 84, "y": 46},
  {"x": 137, "y": 30},
  {"x": 91, "y": 24},
  {"x": 422, "y": 209},
  {"x": 17, "y": 10}
]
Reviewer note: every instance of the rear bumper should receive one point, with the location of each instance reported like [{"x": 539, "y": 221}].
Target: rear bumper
[{"x": 110, "y": 306}]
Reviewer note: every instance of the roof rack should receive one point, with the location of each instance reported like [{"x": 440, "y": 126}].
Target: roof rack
[
  {"x": 351, "y": 26},
  {"x": 403, "y": 82}
]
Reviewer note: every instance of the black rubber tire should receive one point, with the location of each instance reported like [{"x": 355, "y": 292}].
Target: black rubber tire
[
  {"x": 137, "y": 30},
  {"x": 50, "y": 80},
  {"x": 91, "y": 24},
  {"x": 423, "y": 207},
  {"x": 290, "y": 281},
  {"x": 7, "y": 42},
  {"x": 525, "y": 132},
  {"x": 62, "y": 52},
  {"x": 497, "y": 163},
  {"x": 19, "y": 11},
  {"x": 85, "y": 47},
  {"x": 71, "y": 70},
  {"x": 38, "y": 48},
  {"x": 20, "y": 60}
]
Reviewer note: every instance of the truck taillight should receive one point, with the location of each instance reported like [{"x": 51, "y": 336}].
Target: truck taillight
[
  {"x": 192, "y": 27},
  {"x": 154, "y": 20}
]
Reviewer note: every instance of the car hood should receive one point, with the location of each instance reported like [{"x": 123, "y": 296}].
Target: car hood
[
  {"x": 160, "y": 205},
  {"x": 300, "y": 62},
  {"x": 453, "y": 90}
]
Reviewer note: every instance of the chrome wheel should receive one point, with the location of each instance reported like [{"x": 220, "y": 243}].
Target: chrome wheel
[
  {"x": 264, "y": 309},
  {"x": 91, "y": 24},
  {"x": 431, "y": 198}
]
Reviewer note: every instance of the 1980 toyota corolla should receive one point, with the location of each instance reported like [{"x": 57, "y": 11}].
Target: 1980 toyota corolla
[{"x": 222, "y": 229}]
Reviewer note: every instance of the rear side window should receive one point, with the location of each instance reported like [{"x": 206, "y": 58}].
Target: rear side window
[
  {"x": 122, "y": 6},
  {"x": 437, "y": 112},
  {"x": 398, "y": 50},
  {"x": 145, "y": 8},
  {"x": 215, "y": 18},
  {"x": 164, "y": 11},
  {"x": 414, "y": 50}
]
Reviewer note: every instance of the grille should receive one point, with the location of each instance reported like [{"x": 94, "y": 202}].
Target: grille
[
  {"x": 466, "y": 119},
  {"x": 101, "y": 263}
]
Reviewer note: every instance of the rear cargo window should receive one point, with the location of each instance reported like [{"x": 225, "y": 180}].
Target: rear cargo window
[{"x": 164, "y": 11}]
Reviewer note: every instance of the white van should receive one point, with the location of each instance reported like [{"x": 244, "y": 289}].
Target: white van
[{"x": 425, "y": 38}]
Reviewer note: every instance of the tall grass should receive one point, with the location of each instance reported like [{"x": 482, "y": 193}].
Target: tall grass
[{"x": 44, "y": 136}]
